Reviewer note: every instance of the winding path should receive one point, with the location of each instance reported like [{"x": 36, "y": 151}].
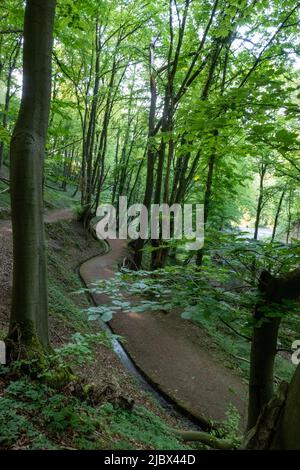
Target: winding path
[
  {"x": 172, "y": 353},
  {"x": 51, "y": 216}
]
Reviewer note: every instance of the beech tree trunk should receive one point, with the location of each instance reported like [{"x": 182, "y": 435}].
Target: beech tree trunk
[
  {"x": 262, "y": 174},
  {"x": 263, "y": 352},
  {"x": 277, "y": 215},
  {"x": 12, "y": 64},
  {"x": 207, "y": 198},
  {"x": 151, "y": 154},
  {"x": 287, "y": 436},
  {"x": 28, "y": 331},
  {"x": 264, "y": 341}
]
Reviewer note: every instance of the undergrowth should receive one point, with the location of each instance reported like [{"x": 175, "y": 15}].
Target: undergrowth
[
  {"x": 40, "y": 411},
  {"x": 34, "y": 415}
]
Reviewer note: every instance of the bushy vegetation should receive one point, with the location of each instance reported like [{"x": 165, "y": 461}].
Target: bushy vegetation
[
  {"x": 220, "y": 297},
  {"x": 33, "y": 415},
  {"x": 51, "y": 408},
  {"x": 177, "y": 102}
]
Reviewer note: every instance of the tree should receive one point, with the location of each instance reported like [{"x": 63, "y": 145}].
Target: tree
[
  {"x": 274, "y": 290},
  {"x": 11, "y": 67},
  {"x": 28, "y": 332},
  {"x": 287, "y": 436},
  {"x": 139, "y": 245},
  {"x": 276, "y": 219}
]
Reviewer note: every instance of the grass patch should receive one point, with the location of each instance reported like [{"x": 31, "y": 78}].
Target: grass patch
[
  {"x": 130, "y": 430},
  {"x": 57, "y": 199}
]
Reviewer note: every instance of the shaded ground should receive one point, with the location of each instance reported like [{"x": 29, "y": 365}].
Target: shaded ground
[
  {"x": 68, "y": 246},
  {"x": 6, "y": 256},
  {"x": 174, "y": 354},
  {"x": 171, "y": 352}
]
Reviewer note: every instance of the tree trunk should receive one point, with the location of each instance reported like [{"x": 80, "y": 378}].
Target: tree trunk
[
  {"x": 263, "y": 352},
  {"x": 151, "y": 154},
  {"x": 264, "y": 341},
  {"x": 89, "y": 141},
  {"x": 99, "y": 164},
  {"x": 160, "y": 252},
  {"x": 260, "y": 200},
  {"x": 28, "y": 331},
  {"x": 12, "y": 65},
  {"x": 287, "y": 436},
  {"x": 212, "y": 158},
  {"x": 208, "y": 193},
  {"x": 260, "y": 437},
  {"x": 277, "y": 215}
]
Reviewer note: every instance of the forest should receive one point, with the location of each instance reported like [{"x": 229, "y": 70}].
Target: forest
[{"x": 150, "y": 225}]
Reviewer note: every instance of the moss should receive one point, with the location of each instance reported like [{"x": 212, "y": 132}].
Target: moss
[
  {"x": 59, "y": 376},
  {"x": 23, "y": 342}
]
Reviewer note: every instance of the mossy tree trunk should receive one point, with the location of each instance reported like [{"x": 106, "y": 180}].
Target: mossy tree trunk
[
  {"x": 263, "y": 352},
  {"x": 29, "y": 313}
]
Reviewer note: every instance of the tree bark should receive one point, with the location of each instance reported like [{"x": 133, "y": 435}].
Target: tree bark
[
  {"x": 261, "y": 435},
  {"x": 287, "y": 436},
  {"x": 262, "y": 174},
  {"x": 29, "y": 313},
  {"x": 151, "y": 154},
  {"x": 166, "y": 150},
  {"x": 289, "y": 215},
  {"x": 11, "y": 68},
  {"x": 207, "y": 198},
  {"x": 264, "y": 340},
  {"x": 277, "y": 215}
]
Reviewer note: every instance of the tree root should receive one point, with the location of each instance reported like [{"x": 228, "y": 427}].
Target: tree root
[
  {"x": 207, "y": 439},
  {"x": 204, "y": 437}
]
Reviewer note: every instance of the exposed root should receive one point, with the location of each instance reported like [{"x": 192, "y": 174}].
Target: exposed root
[{"x": 207, "y": 439}]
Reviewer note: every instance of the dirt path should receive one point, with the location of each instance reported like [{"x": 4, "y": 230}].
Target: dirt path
[
  {"x": 52, "y": 216},
  {"x": 171, "y": 352}
]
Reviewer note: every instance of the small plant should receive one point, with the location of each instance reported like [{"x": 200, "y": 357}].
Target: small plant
[
  {"x": 230, "y": 427},
  {"x": 79, "y": 351}
]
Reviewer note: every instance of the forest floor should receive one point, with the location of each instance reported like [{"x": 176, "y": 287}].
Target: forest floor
[
  {"x": 198, "y": 382},
  {"x": 68, "y": 247},
  {"x": 180, "y": 358},
  {"x": 145, "y": 428},
  {"x": 177, "y": 356},
  {"x": 107, "y": 368}
]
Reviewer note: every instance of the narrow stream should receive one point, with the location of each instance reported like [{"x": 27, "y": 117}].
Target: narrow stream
[
  {"x": 165, "y": 402},
  {"x": 173, "y": 409}
]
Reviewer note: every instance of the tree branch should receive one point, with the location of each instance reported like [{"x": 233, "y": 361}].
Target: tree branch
[{"x": 11, "y": 31}]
